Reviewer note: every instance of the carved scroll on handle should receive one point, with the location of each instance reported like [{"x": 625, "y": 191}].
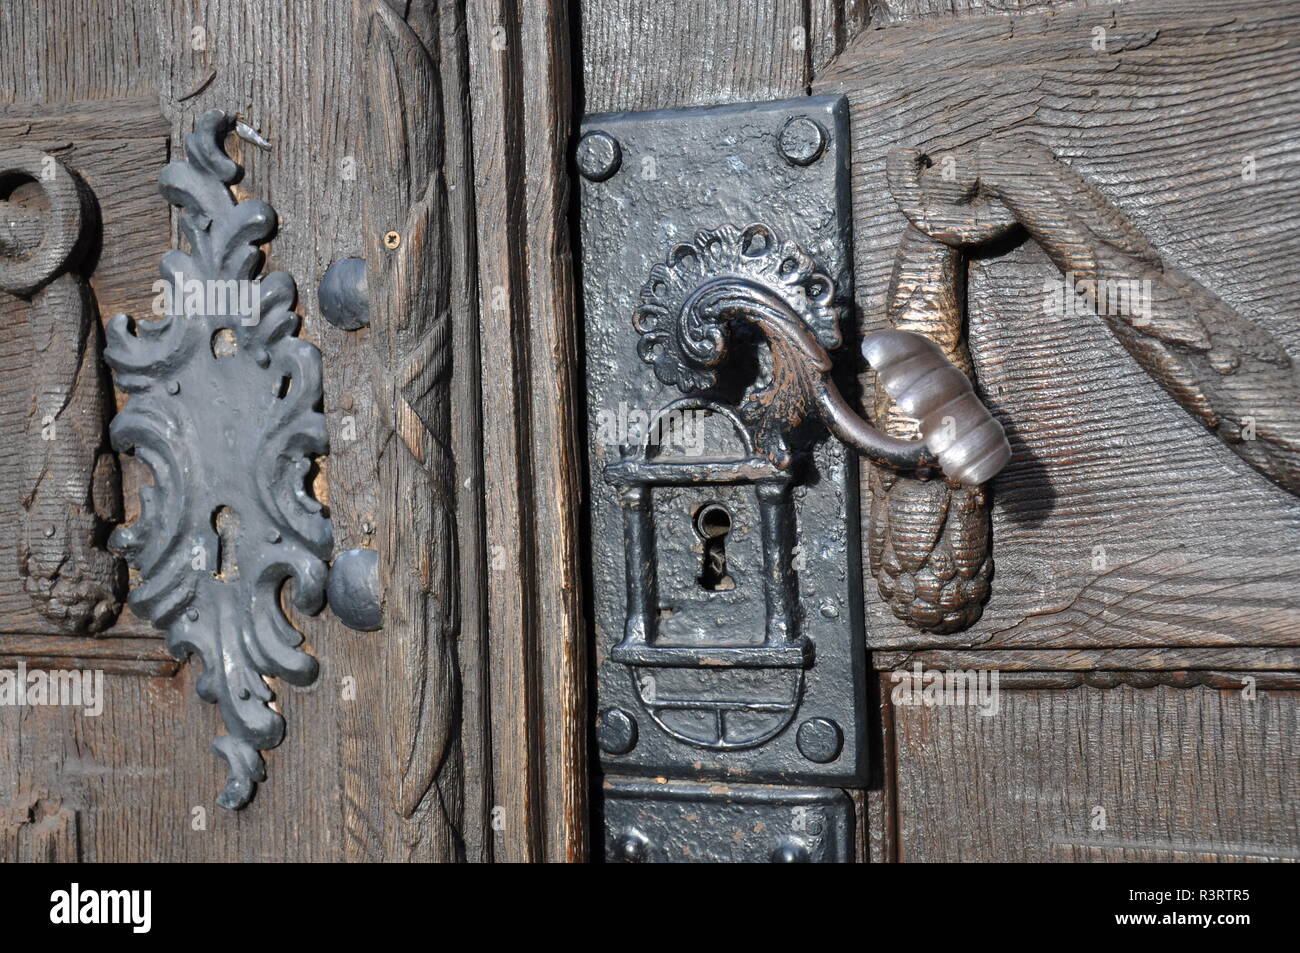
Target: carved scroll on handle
[
  {"x": 1228, "y": 372},
  {"x": 70, "y": 490}
]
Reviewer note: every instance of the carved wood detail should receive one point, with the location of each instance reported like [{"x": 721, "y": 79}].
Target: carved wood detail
[
  {"x": 407, "y": 272},
  {"x": 930, "y": 542},
  {"x": 1225, "y": 370},
  {"x": 70, "y": 488}
]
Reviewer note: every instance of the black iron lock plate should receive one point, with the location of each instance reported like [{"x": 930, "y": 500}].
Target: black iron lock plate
[
  {"x": 647, "y": 821},
  {"x": 726, "y": 584}
]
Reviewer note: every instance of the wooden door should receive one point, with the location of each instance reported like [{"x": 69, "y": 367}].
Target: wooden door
[
  {"x": 456, "y": 732},
  {"x": 1142, "y": 615}
]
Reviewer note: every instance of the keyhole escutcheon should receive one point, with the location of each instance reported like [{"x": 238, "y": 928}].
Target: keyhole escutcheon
[{"x": 712, "y": 524}]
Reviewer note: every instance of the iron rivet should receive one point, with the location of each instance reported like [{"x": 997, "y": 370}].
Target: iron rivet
[
  {"x": 802, "y": 140},
  {"x": 392, "y": 240},
  {"x": 633, "y": 847},
  {"x": 173, "y": 387},
  {"x": 50, "y": 531},
  {"x": 273, "y": 536},
  {"x": 344, "y": 299},
  {"x": 263, "y": 357},
  {"x": 820, "y": 740},
  {"x": 353, "y": 589},
  {"x": 791, "y": 851},
  {"x": 616, "y": 731},
  {"x": 244, "y": 694},
  {"x": 599, "y": 156},
  {"x": 192, "y": 614},
  {"x": 830, "y": 610}
]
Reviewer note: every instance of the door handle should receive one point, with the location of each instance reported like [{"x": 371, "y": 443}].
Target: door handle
[
  {"x": 729, "y": 607},
  {"x": 749, "y": 275}
]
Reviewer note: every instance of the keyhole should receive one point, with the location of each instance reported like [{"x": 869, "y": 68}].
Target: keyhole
[{"x": 713, "y": 523}]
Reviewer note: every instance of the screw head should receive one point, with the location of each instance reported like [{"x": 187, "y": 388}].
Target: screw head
[
  {"x": 392, "y": 239},
  {"x": 616, "y": 731},
  {"x": 820, "y": 740},
  {"x": 598, "y": 156},
  {"x": 802, "y": 140}
]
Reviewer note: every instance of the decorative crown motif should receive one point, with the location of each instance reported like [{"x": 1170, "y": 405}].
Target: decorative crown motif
[{"x": 683, "y": 329}]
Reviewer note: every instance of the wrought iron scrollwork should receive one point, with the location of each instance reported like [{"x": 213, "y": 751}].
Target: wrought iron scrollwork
[
  {"x": 224, "y": 411},
  {"x": 749, "y": 274}
]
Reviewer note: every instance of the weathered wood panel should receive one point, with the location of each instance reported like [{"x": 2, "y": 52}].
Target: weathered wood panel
[
  {"x": 289, "y": 70},
  {"x": 640, "y": 54},
  {"x": 1180, "y": 774},
  {"x": 1120, "y": 521},
  {"x": 520, "y": 68}
]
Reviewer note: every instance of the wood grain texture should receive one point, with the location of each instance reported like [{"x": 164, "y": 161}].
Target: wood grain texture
[
  {"x": 1181, "y": 774},
  {"x": 1103, "y": 660},
  {"x": 64, "y": 50},
  {"x": 522, "y": 112},
  {"x": 889, "y": 12},
  {"x": 1119, "y": 521},
  {"x": 467, "y": 427},
  {"x": 643, "y": 54},
  {"x": 37, "y": 829}
]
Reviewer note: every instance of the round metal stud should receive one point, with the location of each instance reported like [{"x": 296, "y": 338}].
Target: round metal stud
[
  {"x": 632, "y": 847},
  {"x": 599, "y": 156},
  {"x": 820, "y": 740},
  {"x": 616, "y": 731},
  {"x": 344, "y": 298},
  {"x": 791, "y": 851},
  {"x": 353, "y": 589},
  {"x": 802, "y": 140}
]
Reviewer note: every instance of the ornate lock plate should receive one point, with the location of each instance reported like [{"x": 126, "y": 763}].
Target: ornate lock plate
[{"x": 727, "y": 580}]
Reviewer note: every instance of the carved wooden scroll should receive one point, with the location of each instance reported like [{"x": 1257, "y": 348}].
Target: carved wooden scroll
[
  {"x": 407, "y": 258},
  {"x": 70, "y": 490},
  {"x": 223, "y": 410},
  {"x": 930, "y": 542}
]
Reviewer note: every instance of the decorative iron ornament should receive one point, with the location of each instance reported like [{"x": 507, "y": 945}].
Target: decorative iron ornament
[
  {"x": 750, "y": 275},
  {"x": 223, "y": 410},
  {"x": 726, "y": 592}
]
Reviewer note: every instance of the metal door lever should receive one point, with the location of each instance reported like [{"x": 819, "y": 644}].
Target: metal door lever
[{"x": 691, "y": 302}]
